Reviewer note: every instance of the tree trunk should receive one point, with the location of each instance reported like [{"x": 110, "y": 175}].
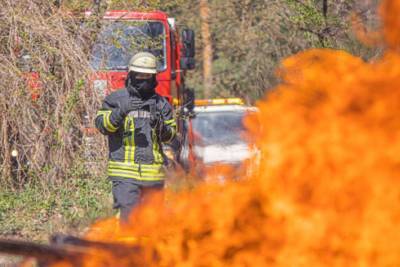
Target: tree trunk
[
  {"x": 207, "y": 47},
  {"x": 325, "y": 8}
]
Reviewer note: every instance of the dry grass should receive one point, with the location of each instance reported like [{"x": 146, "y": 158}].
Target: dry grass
[{"x": 46, "y": 132}]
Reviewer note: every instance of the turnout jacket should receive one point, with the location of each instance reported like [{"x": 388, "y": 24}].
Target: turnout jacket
[{"x": 135, "y": 150}]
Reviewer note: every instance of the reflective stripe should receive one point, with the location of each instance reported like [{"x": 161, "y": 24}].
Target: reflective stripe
[
  {"x": 101, "y": 112},
  {"x": 172, "y": 135},
  {"x": 171, "y": 122},
  {"x": 126, "y": 142},
  {"x": 149, "y": 172},
  {"x": 132, "y": 140},
  {"x": 106, "y": 120},
  {"x": 145, "y": 171},
  {"x": 134, "y": 166},
  {"x": 156, "y": 148},
  {"x": 110, "y": 126},
  {"x": 129, "y": 144},
  {"x": 135, "y": 175}
]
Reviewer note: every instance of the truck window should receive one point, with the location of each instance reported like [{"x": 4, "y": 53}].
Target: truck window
[{"x": 118, "y": 41}]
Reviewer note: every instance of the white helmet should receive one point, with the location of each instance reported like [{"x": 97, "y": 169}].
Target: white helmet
[{"x": 143, "y": 62}]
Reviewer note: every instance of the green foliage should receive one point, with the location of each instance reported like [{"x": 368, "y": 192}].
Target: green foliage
[
  {"x": 251, "y": 37},
  {"x": 38, "y": 210}
]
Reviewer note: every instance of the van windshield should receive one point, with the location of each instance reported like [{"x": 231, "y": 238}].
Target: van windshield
[
  {"x": 118, "y": 41},
  {"x": 219, "y": 128}
]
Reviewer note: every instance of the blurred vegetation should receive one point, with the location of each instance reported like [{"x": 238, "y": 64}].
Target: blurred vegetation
[
  {"x": 35, "y": 212},
  {"x": 51, "y": 179},
  {"x": 251, "y": 37}
]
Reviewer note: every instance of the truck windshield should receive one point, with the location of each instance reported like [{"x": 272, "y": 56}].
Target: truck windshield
[
  {"x": 118, "y": 41},
  {"x": 219, "y": 128}
]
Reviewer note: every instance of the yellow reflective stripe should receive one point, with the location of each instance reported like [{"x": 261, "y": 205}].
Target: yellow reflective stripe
[
  {"x": 134, "y": 165},
  {"x": 108, "y": 124},
  {"x": 132, "y": 139},
  {"x": 129, "y": 144},
  {"x": 126, "y": 146},
  {"x": 170, "y": 122},
  {"x": 156, "y": 148},
  {"x": 101, "y": 112},
  {"x": 137, "y": 176},
  {"x": 136, "y": 168},
  {"x": 172, "y": 135},
  {"x": 136, "y": 171},
  {"x": 106, "y": 120},
  {"x": 127, "y": 151}
]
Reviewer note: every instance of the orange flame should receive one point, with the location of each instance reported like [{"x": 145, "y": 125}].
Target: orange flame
[
  {"x": 391, "y": 22},
  {"x": 326, "y": 191}
]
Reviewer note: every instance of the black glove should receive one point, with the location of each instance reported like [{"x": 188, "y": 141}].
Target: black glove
[{"x": 127, "y": 105}]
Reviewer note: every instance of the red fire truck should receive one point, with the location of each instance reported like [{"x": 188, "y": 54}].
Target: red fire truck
[{"x": 124, "y": 33}]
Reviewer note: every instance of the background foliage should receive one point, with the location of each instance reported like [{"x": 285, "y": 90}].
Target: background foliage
[{"x": 251, "y": 37}]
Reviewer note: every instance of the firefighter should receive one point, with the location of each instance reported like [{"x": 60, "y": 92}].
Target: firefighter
[{"x": 136, "y": 120}]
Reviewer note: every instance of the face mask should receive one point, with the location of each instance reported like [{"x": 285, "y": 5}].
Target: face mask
[{"x": 144, "y": 87}]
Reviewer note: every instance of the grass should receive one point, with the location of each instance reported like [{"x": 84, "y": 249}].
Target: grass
[{"x": 35, "y": 212}]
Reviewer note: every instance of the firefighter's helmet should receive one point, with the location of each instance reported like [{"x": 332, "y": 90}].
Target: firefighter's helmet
[{"x": 143, "y": 62}]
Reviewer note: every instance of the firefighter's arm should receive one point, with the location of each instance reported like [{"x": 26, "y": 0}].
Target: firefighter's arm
[
  {"x": 108, "y": 118},
  {"x": 168, "y": 123}
]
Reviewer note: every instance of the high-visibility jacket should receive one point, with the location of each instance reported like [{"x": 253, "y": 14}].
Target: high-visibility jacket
[{"x": 135, "y": 150}]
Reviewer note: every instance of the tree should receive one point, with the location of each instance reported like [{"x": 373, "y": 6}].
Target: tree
[{"x": 207, "y": 47}]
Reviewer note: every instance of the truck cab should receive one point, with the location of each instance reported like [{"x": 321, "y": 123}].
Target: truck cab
[{"x": 124, "y": 33}]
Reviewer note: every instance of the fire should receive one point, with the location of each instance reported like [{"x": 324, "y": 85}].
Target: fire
[{"x": 326, "y": 191}]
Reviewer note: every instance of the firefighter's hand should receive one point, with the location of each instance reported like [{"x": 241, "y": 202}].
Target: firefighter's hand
[
  {"x": 127, "y": 105},
  {"x": 124, "y": 107}
]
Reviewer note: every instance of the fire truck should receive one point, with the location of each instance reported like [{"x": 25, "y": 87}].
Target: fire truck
[{"x": 124, "y": 33}]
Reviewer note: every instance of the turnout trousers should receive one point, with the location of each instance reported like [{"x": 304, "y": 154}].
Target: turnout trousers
[{"x": 127, "y": 195}]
